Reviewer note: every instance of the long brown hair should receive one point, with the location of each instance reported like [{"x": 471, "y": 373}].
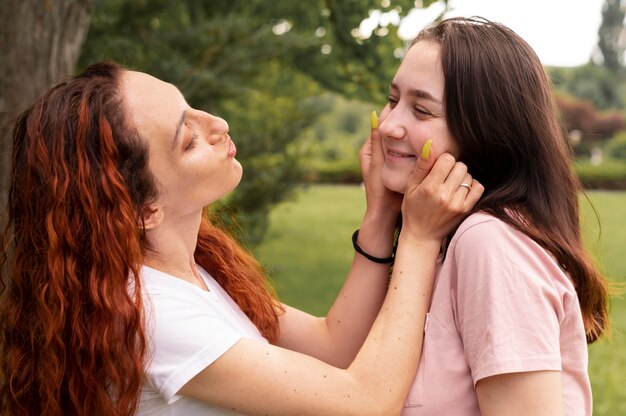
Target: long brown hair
[
  {"x": 72, "y": 340},
  {"x": 499, "y": 107}
]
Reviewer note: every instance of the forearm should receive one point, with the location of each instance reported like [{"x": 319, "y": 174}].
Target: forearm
[
  {"x": 351, "y": 316},
  {"x": 376, "y": 383},
  {"x": 337, "y": 337},
  {"x": 393, "y": 339}
]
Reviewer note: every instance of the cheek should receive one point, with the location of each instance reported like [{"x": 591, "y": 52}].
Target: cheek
[
  {"x": 442, "y": 140},
  {"x": 384, "y": 113},
  {"x": 419, "y": 136},
  {"x": 454, "y": 148},
  {"x": 161, "y": 172},
  {"x": 446, "y": 145}
]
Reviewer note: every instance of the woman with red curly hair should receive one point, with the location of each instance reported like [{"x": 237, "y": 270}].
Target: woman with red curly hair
[{"x": 122, "y": 298}]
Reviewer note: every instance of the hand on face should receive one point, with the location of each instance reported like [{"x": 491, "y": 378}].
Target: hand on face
[
  {"x": 438, "y": 196},
  {"x": 372, "y": 159}
]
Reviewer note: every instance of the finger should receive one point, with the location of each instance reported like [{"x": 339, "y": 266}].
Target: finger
[
  {"x": 424, "y": 165},
  {"x": 466, "y": 184},
  {"x": 473, "y": 196},
  {"x": 376, "y": 140},
  {"x": 454, "y": 180},
  {"x": 456, "y": 176},
  {"x": 463, "y": 189},
  {"x": 440, "y": 171}
]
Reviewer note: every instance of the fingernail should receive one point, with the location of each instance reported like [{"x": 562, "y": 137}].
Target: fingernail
[
  {"x": 374, "y": 120},
  {"x": 426, "y": 149}
]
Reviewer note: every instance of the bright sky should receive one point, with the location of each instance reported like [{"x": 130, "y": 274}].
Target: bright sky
[{"x": 562, "y": 32}]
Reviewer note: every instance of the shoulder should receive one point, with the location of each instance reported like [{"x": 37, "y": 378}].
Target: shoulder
[
  {"x": 173, "y": 301},
  {"x": 486, "y": 248},
  {"x": 481, "y": 222},
  {"x": 168, "y": 299},
  {"x": 494, "y": 252},
  {"x": 484, "y": 231},
  {"x": 484, "y": 242}
]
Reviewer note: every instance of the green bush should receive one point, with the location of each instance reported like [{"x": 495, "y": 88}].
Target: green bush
[
  {"x": 611, "y": 174},
  {"x": 344, "y": 171},
  {"x": 616, "y": 147}
]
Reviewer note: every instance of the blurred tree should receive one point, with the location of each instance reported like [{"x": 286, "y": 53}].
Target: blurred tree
[
  {"x": 39, "y": 44},
  {"x": 333, "y": 142},
  {"x": 589, "y": 82},
  {"x": 593, "y": 126},
  {"x": 601, "y": 80},
  {"x": 255, "y": 63},
  {"x": 611, "y": 42}
]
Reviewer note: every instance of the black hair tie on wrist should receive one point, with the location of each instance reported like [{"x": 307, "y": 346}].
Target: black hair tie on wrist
[{"x": 359, "y": 250}]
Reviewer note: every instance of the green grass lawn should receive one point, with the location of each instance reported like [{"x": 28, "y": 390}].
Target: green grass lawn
[{"x": 308, "y": 251}]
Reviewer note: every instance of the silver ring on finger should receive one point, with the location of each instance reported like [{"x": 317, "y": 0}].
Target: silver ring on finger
[{"x": 465, "y": 185}]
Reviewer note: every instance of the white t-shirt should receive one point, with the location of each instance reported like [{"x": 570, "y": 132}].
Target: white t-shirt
[{"x": 187, "y": 329}]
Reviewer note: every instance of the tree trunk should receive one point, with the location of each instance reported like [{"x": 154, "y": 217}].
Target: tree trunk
[{"x": 40, "y": 43}]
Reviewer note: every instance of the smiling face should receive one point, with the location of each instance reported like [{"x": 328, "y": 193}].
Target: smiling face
[
  {"x": 415, "y": 113},
  {"x": 191, "y": 155}
]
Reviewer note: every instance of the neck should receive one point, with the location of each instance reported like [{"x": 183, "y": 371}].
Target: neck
[{"x": 172, "y": 245}]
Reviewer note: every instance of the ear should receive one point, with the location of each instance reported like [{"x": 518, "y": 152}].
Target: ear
[{"x": 152, "y": 217}]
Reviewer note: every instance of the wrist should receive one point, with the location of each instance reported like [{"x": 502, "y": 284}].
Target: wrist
[
  {"x": 422, "y": 243},
  {"x": 376, "y": 234},
  {"x": 380, "y": 260},
  {"x": 380, "y": 219}
]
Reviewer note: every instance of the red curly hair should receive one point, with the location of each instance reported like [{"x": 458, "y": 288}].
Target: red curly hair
[{"x": 72, "y": 338}]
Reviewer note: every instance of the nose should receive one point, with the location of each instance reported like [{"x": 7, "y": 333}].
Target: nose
[
  {"x": 216, "y": 128},
  {"x": 218, "y": 124},
  {"x": 391, "y": 126}
]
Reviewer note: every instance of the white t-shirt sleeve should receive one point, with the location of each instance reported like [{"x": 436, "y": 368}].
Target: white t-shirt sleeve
[
  {"x": 186, "y": 333},
  {"x": 508, "y": 301}
]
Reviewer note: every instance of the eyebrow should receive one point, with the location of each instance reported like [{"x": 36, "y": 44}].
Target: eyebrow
[
  {"x": 176, "y": 137},
  {"x": 418, "y": 93}
]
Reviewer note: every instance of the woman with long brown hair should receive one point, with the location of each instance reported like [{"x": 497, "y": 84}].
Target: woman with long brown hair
[
  {"x": 516, "y": 296},
  {"x": 122, "y": 298}
]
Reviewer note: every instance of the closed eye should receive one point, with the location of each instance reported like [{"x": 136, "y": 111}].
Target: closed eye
[
  {"x": 192, "y": 142},
  {"x": 422, "y": 111}
]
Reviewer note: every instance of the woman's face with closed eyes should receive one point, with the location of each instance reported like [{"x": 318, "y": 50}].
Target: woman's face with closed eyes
[
  {"x": 191, "y": 155},
  {"x": 414, "y": 114}
]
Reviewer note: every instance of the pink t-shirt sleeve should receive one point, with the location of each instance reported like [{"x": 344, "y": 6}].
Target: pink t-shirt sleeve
[{"x": 508, "y": 307}]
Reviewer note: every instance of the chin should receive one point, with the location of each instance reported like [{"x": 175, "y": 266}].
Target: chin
[
  {"x": 221, "y": 193},
  {"x": 239, "y": 172},
  {"x": 228, "y": 183},
  {"x": 235, "y": 179},
  {"x": 394, "y": 183}
]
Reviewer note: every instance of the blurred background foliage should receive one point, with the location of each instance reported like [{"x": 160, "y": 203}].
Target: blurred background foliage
[
  {"x": 275, "y": 70},
  {"x": 296, "y": 82}
]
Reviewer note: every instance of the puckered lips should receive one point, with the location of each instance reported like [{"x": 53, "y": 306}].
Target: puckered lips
[{"x": 232, "y": 149}]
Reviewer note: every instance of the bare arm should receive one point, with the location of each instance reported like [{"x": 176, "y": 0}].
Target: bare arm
[
  {"x": 519, "y": 394},
  {"x": 256, "y": 378},
  {"x": 337, "y": 337}
]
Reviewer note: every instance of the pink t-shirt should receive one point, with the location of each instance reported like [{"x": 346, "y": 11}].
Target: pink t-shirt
[{"x": 501, "y": 304}]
